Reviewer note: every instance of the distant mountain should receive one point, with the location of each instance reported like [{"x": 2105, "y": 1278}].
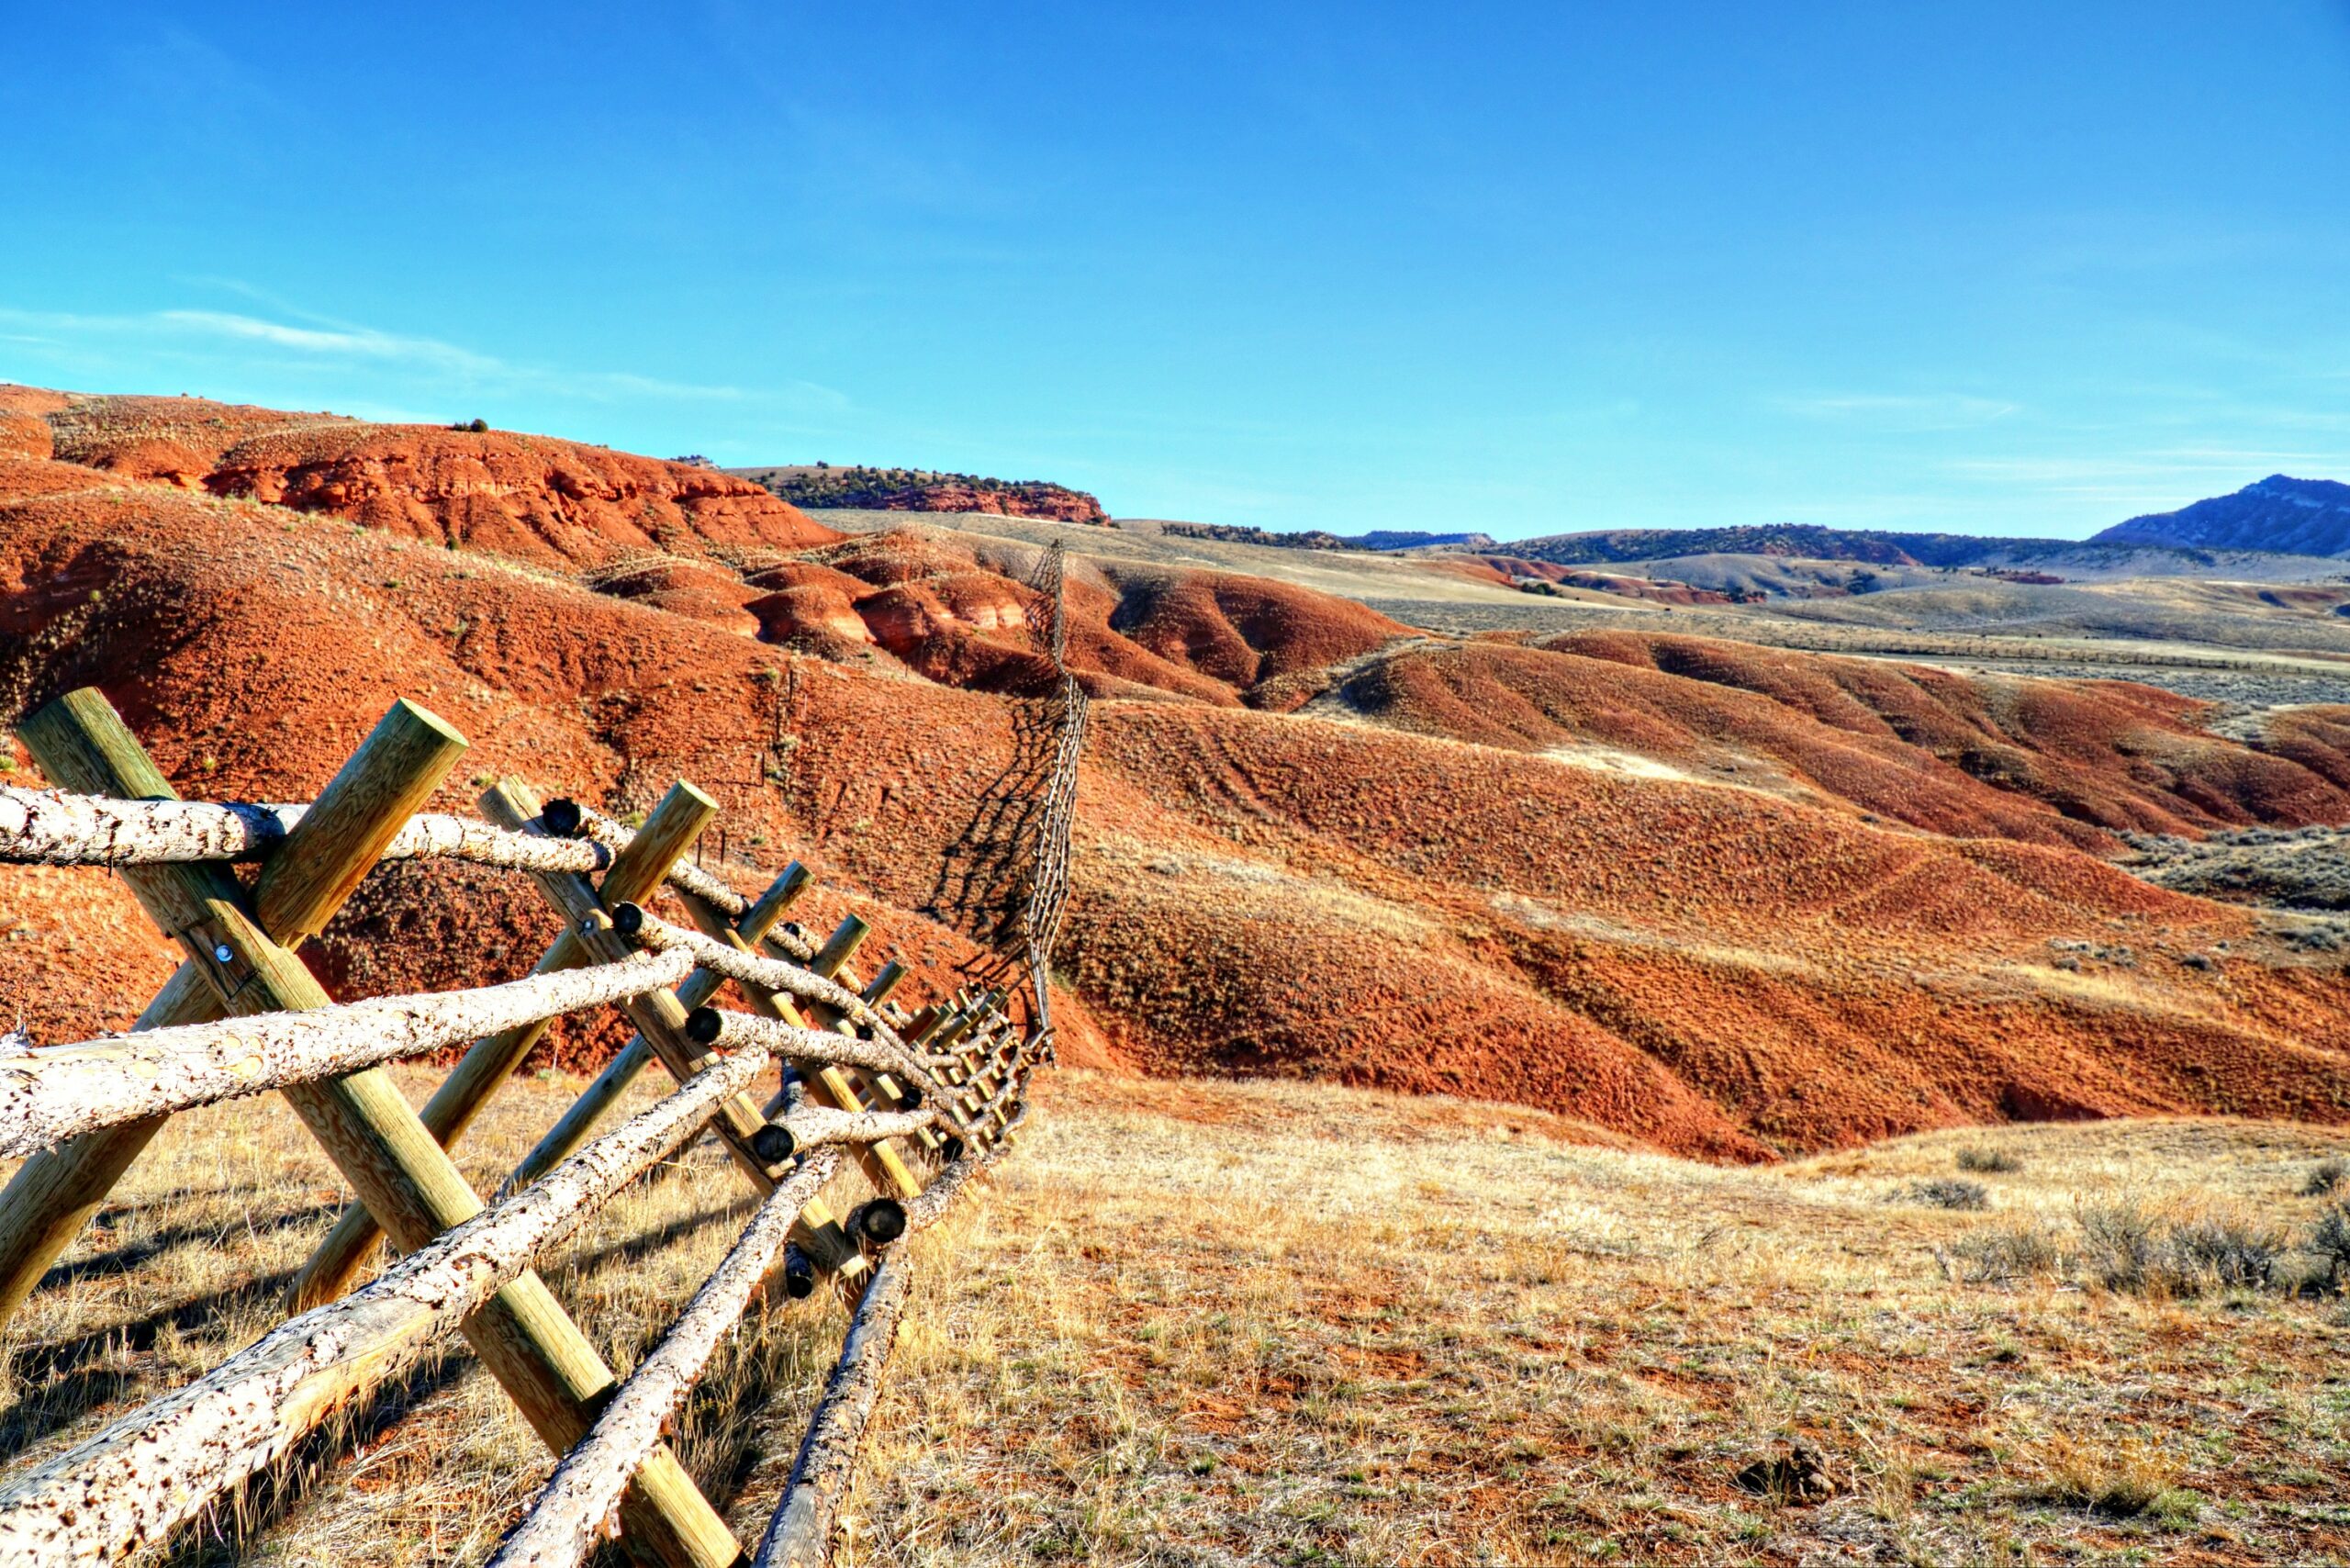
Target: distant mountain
[
  {"x": 1316, "y": 539},
  {"x": 922, "y": 489},
  {"x": 2303, "y": 517},
  {"x": 1806, "y": 542}
]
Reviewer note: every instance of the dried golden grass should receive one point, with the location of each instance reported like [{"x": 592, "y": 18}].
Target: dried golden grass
[{"x": 1198, "y": 1322}]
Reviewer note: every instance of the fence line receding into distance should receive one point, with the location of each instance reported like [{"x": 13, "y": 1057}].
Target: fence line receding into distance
[{"x": 911, "y": 1105}]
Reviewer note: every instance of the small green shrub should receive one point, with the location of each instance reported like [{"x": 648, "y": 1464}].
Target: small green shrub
[
  {"x": 2324, "y": 1177},
  {"x": 1947, "y": 1192},
  {"x": 1985, "y": 1160}
]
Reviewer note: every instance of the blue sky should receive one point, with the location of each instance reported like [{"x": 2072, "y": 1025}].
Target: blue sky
[{"x": 1526, "y": 268}]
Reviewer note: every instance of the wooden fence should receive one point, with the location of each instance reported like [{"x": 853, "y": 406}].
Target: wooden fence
[{"x": 915, "y": 1105}]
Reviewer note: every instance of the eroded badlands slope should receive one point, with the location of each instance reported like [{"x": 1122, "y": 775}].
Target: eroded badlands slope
[{"x": 1885, "y": 918}]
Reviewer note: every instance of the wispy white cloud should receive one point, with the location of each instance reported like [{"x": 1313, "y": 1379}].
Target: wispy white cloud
[
  {"x": 322, "y": 341},
  {"x": 361, "y": 342},
  {"x": 1903, "y": 410}
]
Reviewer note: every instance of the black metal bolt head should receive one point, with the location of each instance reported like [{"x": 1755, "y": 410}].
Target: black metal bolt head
[
  {"x": 704, "y": 1025},
  {"x": 881, "y": 1221},
  {"x": 562, "y": 818},
  {"x": 909, "y": 1096},
  {"x": 628, "y": 919}
]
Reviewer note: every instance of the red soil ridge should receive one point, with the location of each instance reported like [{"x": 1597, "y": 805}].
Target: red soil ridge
[
  {"x": 2037, "y": 761},
  {"x": 556, "y": 502}
]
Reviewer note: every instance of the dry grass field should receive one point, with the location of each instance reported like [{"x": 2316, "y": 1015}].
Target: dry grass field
[{"x": 1213, "y": 1323}]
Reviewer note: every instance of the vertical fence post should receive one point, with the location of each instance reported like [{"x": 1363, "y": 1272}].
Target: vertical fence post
[{"x": 523, "y": 1335}]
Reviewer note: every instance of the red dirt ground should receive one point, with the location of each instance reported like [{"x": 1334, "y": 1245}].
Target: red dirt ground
[
  {"x": 1718, "y": 969},
  {"x": 1508, "y": 570},
  {"x": 2040, "y": 761}
]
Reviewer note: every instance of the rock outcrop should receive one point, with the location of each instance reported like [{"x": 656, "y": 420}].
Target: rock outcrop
[{"x": 914, "y": 489}]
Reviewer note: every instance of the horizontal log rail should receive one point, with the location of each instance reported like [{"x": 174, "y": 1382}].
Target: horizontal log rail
[
  {"x": 575, "y": 1507},
  {"x": 54, "y": 1092},
  {"x": 162, "y": 1464},
  {"x": 649, "y": 931},
  {"x": 727, "y": 1029},
  {"x": 812, "y": 1126},
  {"x": 800, "y": 1532},
  {"x": 48, "y": 827},
  {"x": 243, "y": 1015}
]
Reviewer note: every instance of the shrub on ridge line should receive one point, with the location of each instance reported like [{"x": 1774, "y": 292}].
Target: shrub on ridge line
[{"x": 2130, "y": 1248}]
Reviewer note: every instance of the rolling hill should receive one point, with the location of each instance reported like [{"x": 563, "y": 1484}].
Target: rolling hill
[{"x": 1733, "y": 901}]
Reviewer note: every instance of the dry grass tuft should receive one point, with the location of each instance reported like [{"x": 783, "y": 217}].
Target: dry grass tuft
[
  {"x": 2124, "y": 1480},
  {"x": 1947, "y": 1192},
  {"x": 1985, "y": 1160}
]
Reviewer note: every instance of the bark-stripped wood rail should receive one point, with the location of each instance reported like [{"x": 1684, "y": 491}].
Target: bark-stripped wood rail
[
  {"x": 163, "y": 1464},
  {"x": 575, "y": 1507},
  {"x": 243, "y": 1015},
  {"x": 54, "y": 1092}
]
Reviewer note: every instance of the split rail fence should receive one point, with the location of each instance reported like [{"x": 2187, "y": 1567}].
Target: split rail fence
[{"x": 917, "y": 1105}]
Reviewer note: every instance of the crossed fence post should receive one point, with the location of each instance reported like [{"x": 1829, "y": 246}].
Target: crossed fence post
[
  {"x": 156, "y": 1467},
  {"x": 404, "y": 1177}
]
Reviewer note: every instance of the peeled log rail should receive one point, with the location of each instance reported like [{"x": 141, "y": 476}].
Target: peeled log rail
[
  {"x": 162, "y": 1465},
  {"x": 800, "y": 1533},
  {"x": 44, "y": 827},
  {"x": 804, "y": 1043},
  {"x": 48, "y": 827},
  {"x": 54, "y": 1092},
  {"x": 812, "y": 1126},
  {"x": 769, "y": 974},
  {"x": 572, "y": 1510}
]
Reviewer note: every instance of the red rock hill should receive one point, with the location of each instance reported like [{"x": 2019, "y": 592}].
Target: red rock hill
[{"x": 1352, "y": 890}]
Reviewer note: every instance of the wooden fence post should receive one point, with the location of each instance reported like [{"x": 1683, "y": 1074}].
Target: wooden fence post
[
  {"x": 523, "y": 1334},
  {"x": 662, "y": 1021},
  {"x": 637, "y": 870},
  {"x": 82, "y": 745}
]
